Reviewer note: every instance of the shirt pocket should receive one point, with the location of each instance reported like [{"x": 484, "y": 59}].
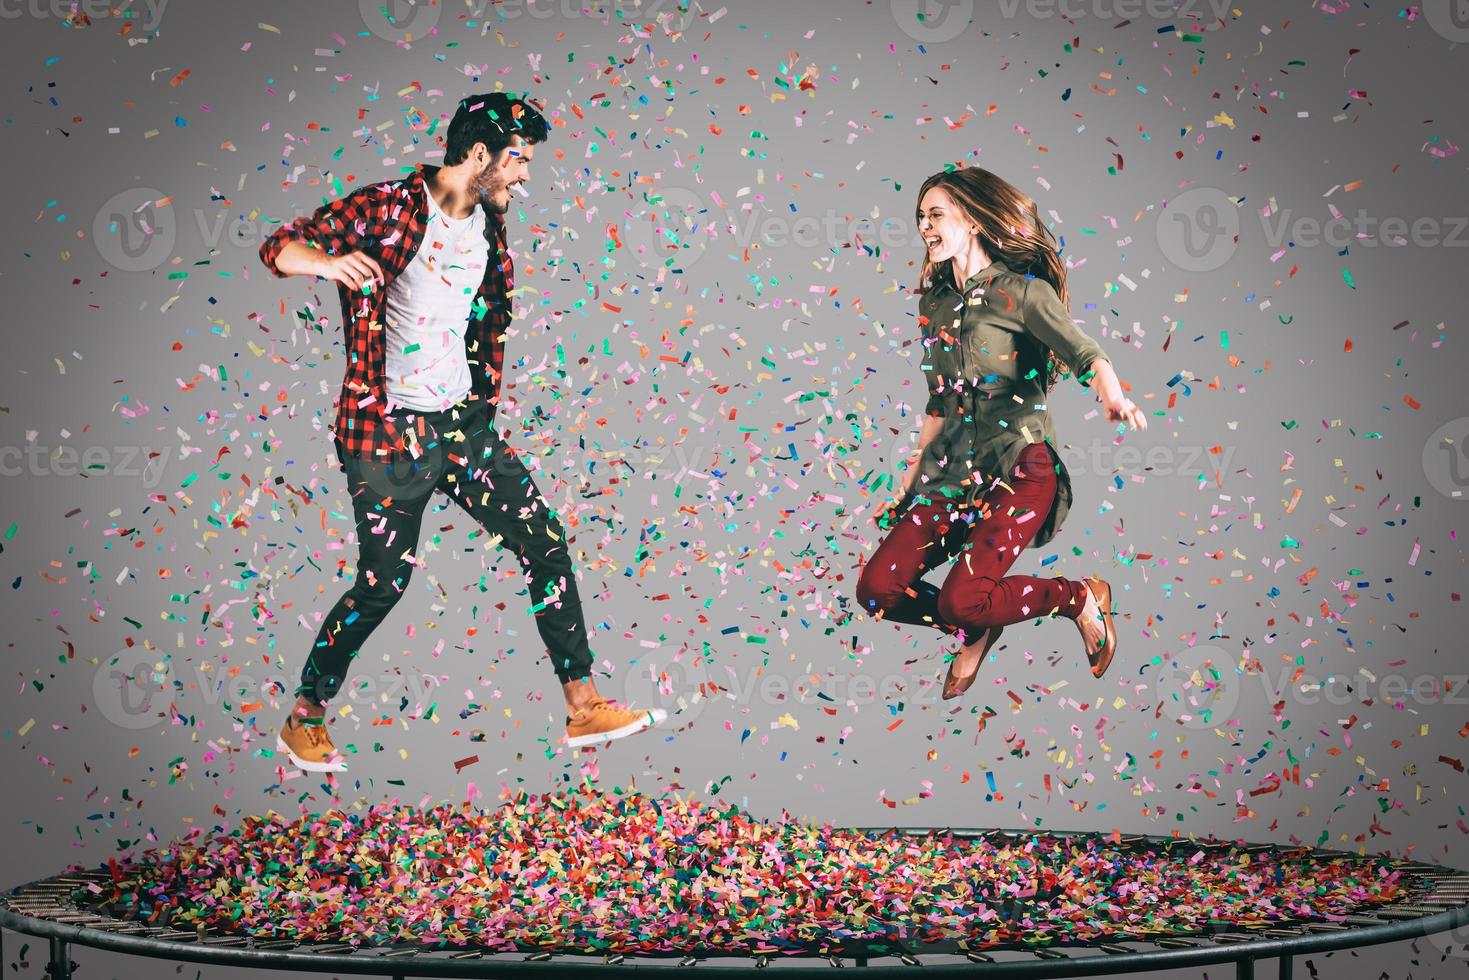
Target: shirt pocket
[
  {"x": 990, "y": 356},
  {"x": 943, "y": 358}
]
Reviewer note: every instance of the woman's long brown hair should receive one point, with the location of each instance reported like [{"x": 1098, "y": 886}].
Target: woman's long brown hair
[{"x": 1009, "y": 229}]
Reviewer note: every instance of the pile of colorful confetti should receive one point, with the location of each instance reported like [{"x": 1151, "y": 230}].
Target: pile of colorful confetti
[{"x": 628, "y": 872}]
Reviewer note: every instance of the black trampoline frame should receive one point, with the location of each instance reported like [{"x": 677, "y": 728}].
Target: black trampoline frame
[{"x": 1439, "y": 903}]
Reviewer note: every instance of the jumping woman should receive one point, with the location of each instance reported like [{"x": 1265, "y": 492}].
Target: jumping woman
[{"x": 986, "y": 482}]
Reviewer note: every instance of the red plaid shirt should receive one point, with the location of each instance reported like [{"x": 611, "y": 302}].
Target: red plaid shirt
[{"x": 387, "y": 222}]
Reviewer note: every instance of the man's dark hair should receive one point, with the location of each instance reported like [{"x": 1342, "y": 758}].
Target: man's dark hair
[{"x": 491, "y": 119}]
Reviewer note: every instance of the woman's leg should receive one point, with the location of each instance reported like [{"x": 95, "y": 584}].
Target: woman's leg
[
  {"x": 891, "y": 585},
  {"x": 978, "y": 594}
]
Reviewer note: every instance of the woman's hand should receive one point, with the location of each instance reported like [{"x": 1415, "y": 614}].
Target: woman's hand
[
  {"x": 1121, "y": 409},
  {"x": 1118, "y": 406},
  {"x": 890, "y": 507}
]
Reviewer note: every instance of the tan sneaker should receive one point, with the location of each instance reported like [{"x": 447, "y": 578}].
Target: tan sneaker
[
  {"x": 600, "y": 722},
  {"x": 306, "y": 742}
]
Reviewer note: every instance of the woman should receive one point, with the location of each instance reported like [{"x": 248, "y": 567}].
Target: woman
[{"x": 987, "y": 481}]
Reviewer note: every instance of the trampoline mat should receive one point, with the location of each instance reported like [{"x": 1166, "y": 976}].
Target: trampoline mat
[{"x": 623, "y": 872}]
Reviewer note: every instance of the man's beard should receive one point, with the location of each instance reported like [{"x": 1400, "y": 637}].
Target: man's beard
[{"x": 488, "y": 183}]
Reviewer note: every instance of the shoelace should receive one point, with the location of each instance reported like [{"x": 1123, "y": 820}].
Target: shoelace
[
  {"x": 315, "y": 734},
  {"x": 596, "y": 704}
]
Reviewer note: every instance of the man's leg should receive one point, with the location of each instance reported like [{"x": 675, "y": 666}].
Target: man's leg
[
  {"x": 498, "y": 492},
  {"x": 388, "y": 501}
]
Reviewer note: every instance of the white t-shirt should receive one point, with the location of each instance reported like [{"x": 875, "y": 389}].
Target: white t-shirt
[{"x": 428, "y": 307}]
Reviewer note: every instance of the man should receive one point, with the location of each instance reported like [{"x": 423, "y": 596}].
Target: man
[{"x": 424, "y": 273}]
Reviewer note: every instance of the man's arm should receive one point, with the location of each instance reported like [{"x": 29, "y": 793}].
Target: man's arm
[{"x": 323, "y": 244}]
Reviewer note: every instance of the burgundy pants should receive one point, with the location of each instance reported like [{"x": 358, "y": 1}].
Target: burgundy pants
[{"x": 987, "y": 539}]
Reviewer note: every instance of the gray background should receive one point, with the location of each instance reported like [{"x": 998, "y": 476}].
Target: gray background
[{"x": 763, "y": 362}]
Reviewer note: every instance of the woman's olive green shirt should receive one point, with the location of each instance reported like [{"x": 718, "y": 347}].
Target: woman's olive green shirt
[{"x": 985, "y": 365}]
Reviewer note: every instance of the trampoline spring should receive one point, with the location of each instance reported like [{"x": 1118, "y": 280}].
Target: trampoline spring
[
  {"x": 688, "y": 961},
  {"x": 1364, "y": 920},
  {"x": 398, "y": 954},
  {"x": 123, "y": 928},
  {"x": 909, "y": 959},
  {"x": 1049, "y": 954},
  {"x": 335, "y": 948},
  {"x": 835, "y": 961},
  {"x": 465, "y": 954},
  {"x": 1402, "y": 912},
  {"x": 537, "y": 957},
  {"x": 975, "y": 956},
  {"x": 1112, "y": 948},
  {"x": 762, "y": 961},
  {"x": 277, "y": 944},
  {"x": 613, "y": 959},
  {"x": 1232, "y": 937},
  {"x": 223, "y": 941},
  {"x": 1176, "y": 943}
]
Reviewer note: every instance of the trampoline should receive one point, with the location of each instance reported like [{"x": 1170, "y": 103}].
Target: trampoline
[{"x": 564, "y": 884}]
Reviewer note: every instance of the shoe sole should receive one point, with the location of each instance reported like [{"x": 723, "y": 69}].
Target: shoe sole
[
  {"x": 306, "y": 764},
  {"x": 645, "y": 721},
  {"x": 994, "y": 638},
  {"x": 1109, "y": 629}
]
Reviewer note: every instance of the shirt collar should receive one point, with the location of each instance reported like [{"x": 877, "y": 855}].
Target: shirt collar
[
  {"x": 995, "y": 267},
  {"x": 494, "y": 222}
]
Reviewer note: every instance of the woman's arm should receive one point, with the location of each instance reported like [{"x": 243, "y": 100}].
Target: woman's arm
[
  {"x": 1115, "y": 403},
  {"x": 932, "y": 426},
  {"x": 1049, "y": 321}
]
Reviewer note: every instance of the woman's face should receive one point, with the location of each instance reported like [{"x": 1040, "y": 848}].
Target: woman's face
[{"x": 945, "y": 229}]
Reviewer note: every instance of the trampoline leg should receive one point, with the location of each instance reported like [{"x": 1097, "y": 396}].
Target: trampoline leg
[
  {"x": 1244, "y": 970},
  {"x": 60, "y": 966},
  {"x": 1286, "y": 964}
]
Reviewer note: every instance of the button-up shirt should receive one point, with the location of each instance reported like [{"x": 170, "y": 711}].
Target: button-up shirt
[
  {"x": 985, "y": 366},
  {"x": 387, "y": 221}
]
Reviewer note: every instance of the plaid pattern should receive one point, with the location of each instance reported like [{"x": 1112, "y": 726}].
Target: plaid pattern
[{"x": 387, "y": 222}]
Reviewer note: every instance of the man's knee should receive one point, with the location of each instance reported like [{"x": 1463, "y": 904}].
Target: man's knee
[{"x": 376, "y": 592}]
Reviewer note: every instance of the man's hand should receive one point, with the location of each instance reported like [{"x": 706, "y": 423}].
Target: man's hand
[{"x": 352, "y": 269}]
